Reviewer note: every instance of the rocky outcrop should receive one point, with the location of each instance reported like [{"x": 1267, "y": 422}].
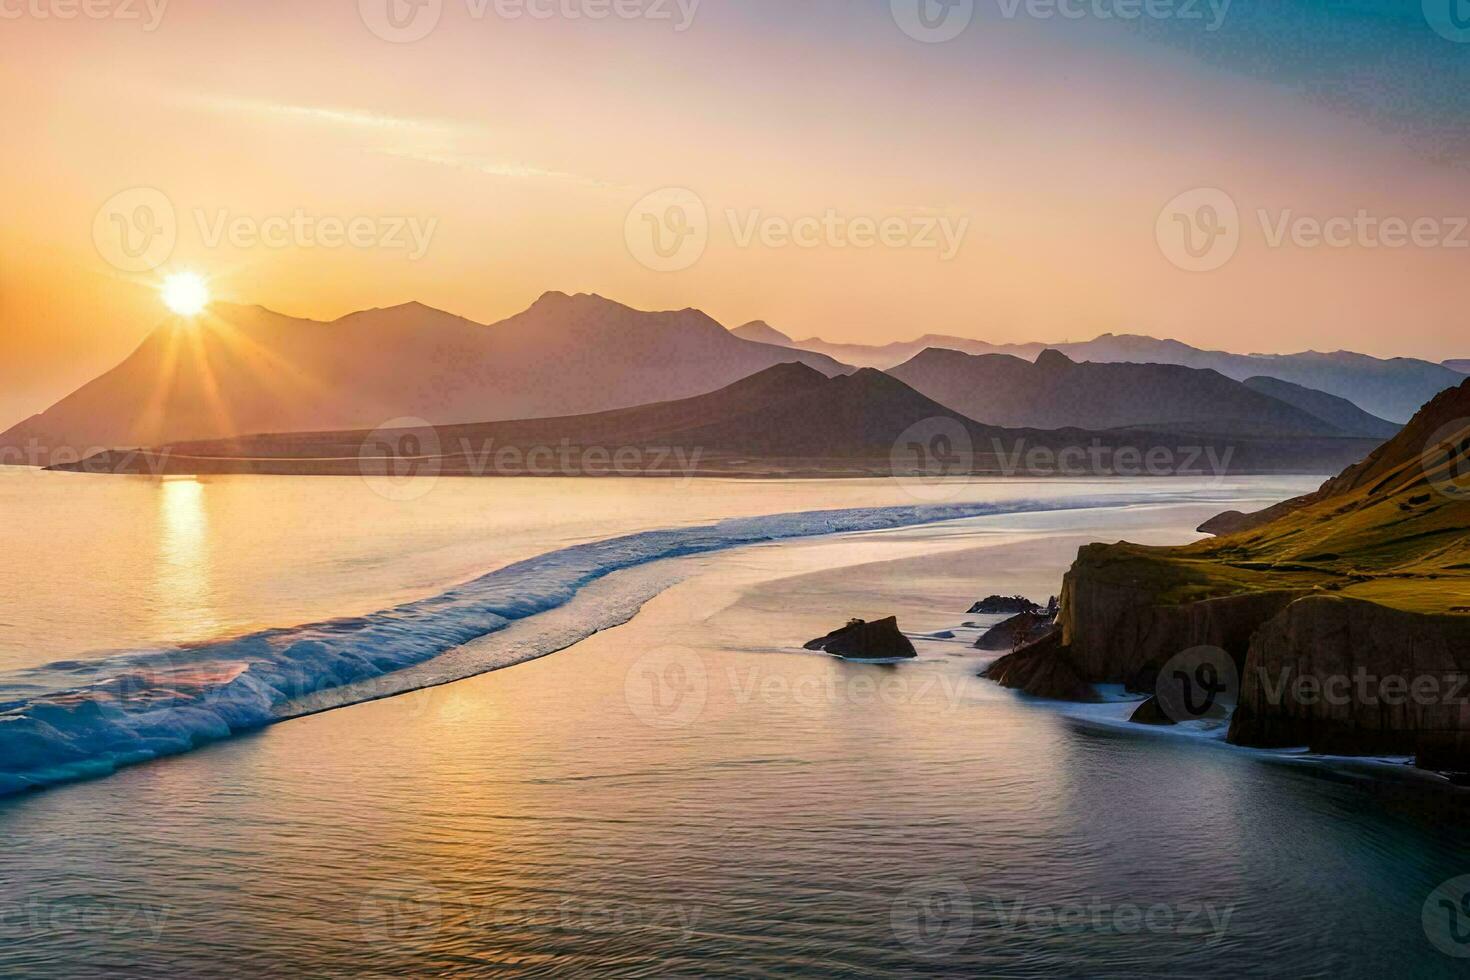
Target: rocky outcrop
[
  {"x": 1019, "y": 630},
  {"x": 1151, "y": 712},
  {"x": 1121, "y": 633},
  {"x": 1350, "y": 677},
  {"x": 1004, "y": 605},
  {"x": 859, "y": 640},
  {"x": 1044, "y": 669}
]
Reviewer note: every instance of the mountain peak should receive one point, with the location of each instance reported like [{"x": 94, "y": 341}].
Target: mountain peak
[
  {"x": 1053, "y": 360},
  {"x": 762, "y": 332}
]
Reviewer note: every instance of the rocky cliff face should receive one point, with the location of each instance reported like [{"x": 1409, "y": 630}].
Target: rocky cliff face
[
  {"x": 1348, "y": 677},
  {"x": 1337, "y": 675},
  {"x": 1122, "y": 633}
]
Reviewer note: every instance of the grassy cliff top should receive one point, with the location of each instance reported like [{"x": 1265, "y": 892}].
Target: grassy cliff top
[{"x": 1394, "y": 529}]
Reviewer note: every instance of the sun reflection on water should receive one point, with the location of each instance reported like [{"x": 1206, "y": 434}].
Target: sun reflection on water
[{"x": 184, "y": 593}]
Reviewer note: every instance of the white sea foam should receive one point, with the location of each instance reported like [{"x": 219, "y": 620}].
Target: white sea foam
[{"x": 80, "y": 718}]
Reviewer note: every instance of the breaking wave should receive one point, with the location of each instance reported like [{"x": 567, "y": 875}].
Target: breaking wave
[{"x": 80, "y": 718}]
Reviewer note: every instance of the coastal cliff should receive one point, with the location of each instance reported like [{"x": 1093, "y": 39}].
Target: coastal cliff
[
  {"x": 1346, "y": 613},
  {"x": 1348, "y": 677}
]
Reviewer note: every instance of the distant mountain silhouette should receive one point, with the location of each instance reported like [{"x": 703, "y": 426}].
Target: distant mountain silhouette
[
  {"x": 1462, "y": 366},
  {"x": 246, "y": 369},
  {"x": 762, "y": 333},
  {"x": 1336, "y": 411},
  {"x": 1055, "y": 392},
  {"x": 1392, "y": 389},
  {"x": 885, "y": 356},
  {"x": 789, "y": 419}
]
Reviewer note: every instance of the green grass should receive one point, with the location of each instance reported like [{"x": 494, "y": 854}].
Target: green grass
[{"x": 1402, "y": 542}]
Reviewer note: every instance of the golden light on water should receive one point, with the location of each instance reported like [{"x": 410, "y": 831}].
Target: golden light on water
[{"x": 185, "y": 293}]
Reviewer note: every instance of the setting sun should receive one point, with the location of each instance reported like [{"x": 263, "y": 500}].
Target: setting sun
[{"x": 185, "y": 293}]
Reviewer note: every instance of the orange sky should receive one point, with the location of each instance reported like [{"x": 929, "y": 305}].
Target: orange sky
[{"x": 524, "y": 143}]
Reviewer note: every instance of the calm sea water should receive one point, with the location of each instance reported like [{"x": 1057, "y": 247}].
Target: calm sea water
[{"x": 686, "y": 794}]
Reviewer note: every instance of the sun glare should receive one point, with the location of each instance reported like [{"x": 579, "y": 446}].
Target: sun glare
[{"x": 185, "y": 293}]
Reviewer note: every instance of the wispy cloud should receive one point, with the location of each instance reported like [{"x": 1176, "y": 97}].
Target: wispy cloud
[
  {"x": 496, "y": 167},
  {"x": 438, "y": 142}
]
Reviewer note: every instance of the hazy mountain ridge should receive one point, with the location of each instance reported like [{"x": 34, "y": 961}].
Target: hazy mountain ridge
[
  {"x": 787, "y": 420},
  {"x": 1391, "y": 388},
  {"x": 246, "y": 369},
  {"x": 1056, "y": 392}
]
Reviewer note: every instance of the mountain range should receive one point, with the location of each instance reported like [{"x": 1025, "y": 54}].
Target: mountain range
[
  {"x": 247, "y": 369},
  {"x": 787, "y": 420},
  {"x": 1392, "y": 389},
  {"x": 239, "y": 370},
  {"x": 1056, "y": 392}
]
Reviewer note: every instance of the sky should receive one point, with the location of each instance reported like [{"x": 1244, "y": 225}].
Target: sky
[{"x": 1227, "y": 174}]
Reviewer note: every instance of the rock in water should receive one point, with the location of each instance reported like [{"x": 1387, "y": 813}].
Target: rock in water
[
  {"x": 1019, "y": 630},
  {"x": 997, "y": 605},
  {"x": 859, "y": 640},
  {"x": 1150, "y": 712},
  {"x": 1044, "y": 669}
]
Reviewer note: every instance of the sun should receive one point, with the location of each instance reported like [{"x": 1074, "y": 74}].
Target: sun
[{"x": 185, "y": 293}]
